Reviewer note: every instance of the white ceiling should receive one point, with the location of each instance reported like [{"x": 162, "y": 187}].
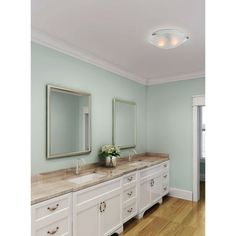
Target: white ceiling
[{"x": 113, "y": 34}]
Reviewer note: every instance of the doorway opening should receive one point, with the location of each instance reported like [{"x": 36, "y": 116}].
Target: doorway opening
[
  {"x": 202, "y": 152},
  {"x": 199, "y": 130}
]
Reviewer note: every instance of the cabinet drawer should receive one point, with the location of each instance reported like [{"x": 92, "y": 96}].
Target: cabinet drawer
[
  {"x": 165, "y": 189},
  {"x": 129, "y": 194},
  {"x": 129, "y": 210},
  {"x": 165, "y": 166},
  {"x": 130, "y": 178},
  {"x": 165, "y": 178},
  {"x": 57, "y": 228},
  {"x": 96, "y": 191},
  {"x": 150, "y": 171},
  {"x": 51, "y": 207}
]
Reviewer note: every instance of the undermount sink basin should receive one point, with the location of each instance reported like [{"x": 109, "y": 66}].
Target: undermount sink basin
[
  {"x": 137, "y": 163},
  {"x": 86, "y": 178}
]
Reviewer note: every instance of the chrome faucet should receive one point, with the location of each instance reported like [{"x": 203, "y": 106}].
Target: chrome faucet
[
  {"x": 132, "y": 155},
  {"x": 79, "y": 163}
]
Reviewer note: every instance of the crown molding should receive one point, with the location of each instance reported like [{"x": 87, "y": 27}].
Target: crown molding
[
  {"x": 163, "y": 80},
  {"x": 44, "y": 39},
  {"x": 65, "y": 48}
]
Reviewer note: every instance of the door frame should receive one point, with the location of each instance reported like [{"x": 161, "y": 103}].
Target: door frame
[{"x": 197, "y": 102}]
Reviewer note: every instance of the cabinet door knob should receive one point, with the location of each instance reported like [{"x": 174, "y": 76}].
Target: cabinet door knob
[
  {"x": 165, "y": 165},
  {"x": 53, "y": 231},
  {"x": 130, "y": 193},
  {"x": 165, "y": 176},
  {"x": 130, "y": 178},
  {"x": 165, "y": 188},
  {"x": 130, "y": 210},
  {"x": 53, "y": 208}
]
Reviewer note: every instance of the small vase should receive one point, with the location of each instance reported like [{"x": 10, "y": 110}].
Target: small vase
[{"x": 111, "y": 161}]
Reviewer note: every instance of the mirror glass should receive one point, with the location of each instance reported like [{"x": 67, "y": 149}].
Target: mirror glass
[
  {"x": 68, "y": 122},
  {"x": 124, "y": 123}
]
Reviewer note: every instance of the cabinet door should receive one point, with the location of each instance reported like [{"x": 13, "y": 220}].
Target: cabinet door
[
  {"x": 86, "y": 219},
  {"x": 156, "y": 188},
  {"x": 111, "y": 217},
  {"x": 144, "y": 194}
]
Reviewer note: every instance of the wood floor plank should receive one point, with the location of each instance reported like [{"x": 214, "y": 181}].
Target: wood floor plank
[
  {"x": 175, "y": 217},
  {"x": 185, "y": 231},
  {"x": 138, "y": 226},
  {"x": 200, "y": 230},
  {"x": 171, "y": 210},
  {"x": 154, "y": 227},
  {"x": 183, "y": 212},
  {"x": 170, "y": 230}
]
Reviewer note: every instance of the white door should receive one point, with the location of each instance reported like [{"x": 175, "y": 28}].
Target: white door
[
  {"x": 86, "y": 220},
  {"x": 144, "y": 194},
  {"x": 111, "y": 217},
  {"x": 156, "y": 188}
]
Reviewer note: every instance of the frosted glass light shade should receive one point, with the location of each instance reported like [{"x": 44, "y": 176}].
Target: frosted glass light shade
[{"x": 168, "y": 38}]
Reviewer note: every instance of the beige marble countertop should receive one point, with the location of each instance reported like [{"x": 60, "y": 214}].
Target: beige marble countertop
[{"x": 52, "y": 184}]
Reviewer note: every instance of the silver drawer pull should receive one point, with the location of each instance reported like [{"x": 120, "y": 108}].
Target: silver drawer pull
[
  {"x": 130, "y": 193},
  {"x": 103, "y": 206},
  {"x": 152, "y": 182},
  {"x": 53, "y": 208},
  {"x": 165, "y": 176},
  {"x": 130, "y": 178},
  {"x": 130, "y": 210},
  {"x": 53, "y": 231},
  {"x": 165, "y": 165}
]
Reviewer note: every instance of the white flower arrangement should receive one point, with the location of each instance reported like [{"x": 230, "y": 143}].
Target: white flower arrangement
[{"x": 109, "y": 150}]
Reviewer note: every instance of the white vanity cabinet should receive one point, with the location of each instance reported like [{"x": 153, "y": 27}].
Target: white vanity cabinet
[
  {"x": 153, "y": 185},
  {"x": 97, "y": 211},
  {"x": 102, "y": 209},
  {"x": 52, "y": 217}
]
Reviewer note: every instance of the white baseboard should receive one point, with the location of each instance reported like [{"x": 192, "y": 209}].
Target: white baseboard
[
  {"x": 180, "y": 193},
  {"x": 202, "y": 177}
]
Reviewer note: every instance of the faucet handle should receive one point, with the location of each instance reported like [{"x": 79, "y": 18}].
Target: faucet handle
[{"x": 134, "y": 150}]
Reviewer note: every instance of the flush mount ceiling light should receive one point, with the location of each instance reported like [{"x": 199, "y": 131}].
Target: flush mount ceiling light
[{"x": 168, "y": 38}]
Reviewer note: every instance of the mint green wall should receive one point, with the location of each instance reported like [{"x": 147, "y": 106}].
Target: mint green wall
[
  {"x": 52, "y": 67},
  {"x": 164, "y": 112},
  {"x": 169, "y": 126}
]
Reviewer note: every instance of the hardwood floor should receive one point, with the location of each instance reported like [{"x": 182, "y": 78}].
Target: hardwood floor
[{"x": 174, "y": 217}]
